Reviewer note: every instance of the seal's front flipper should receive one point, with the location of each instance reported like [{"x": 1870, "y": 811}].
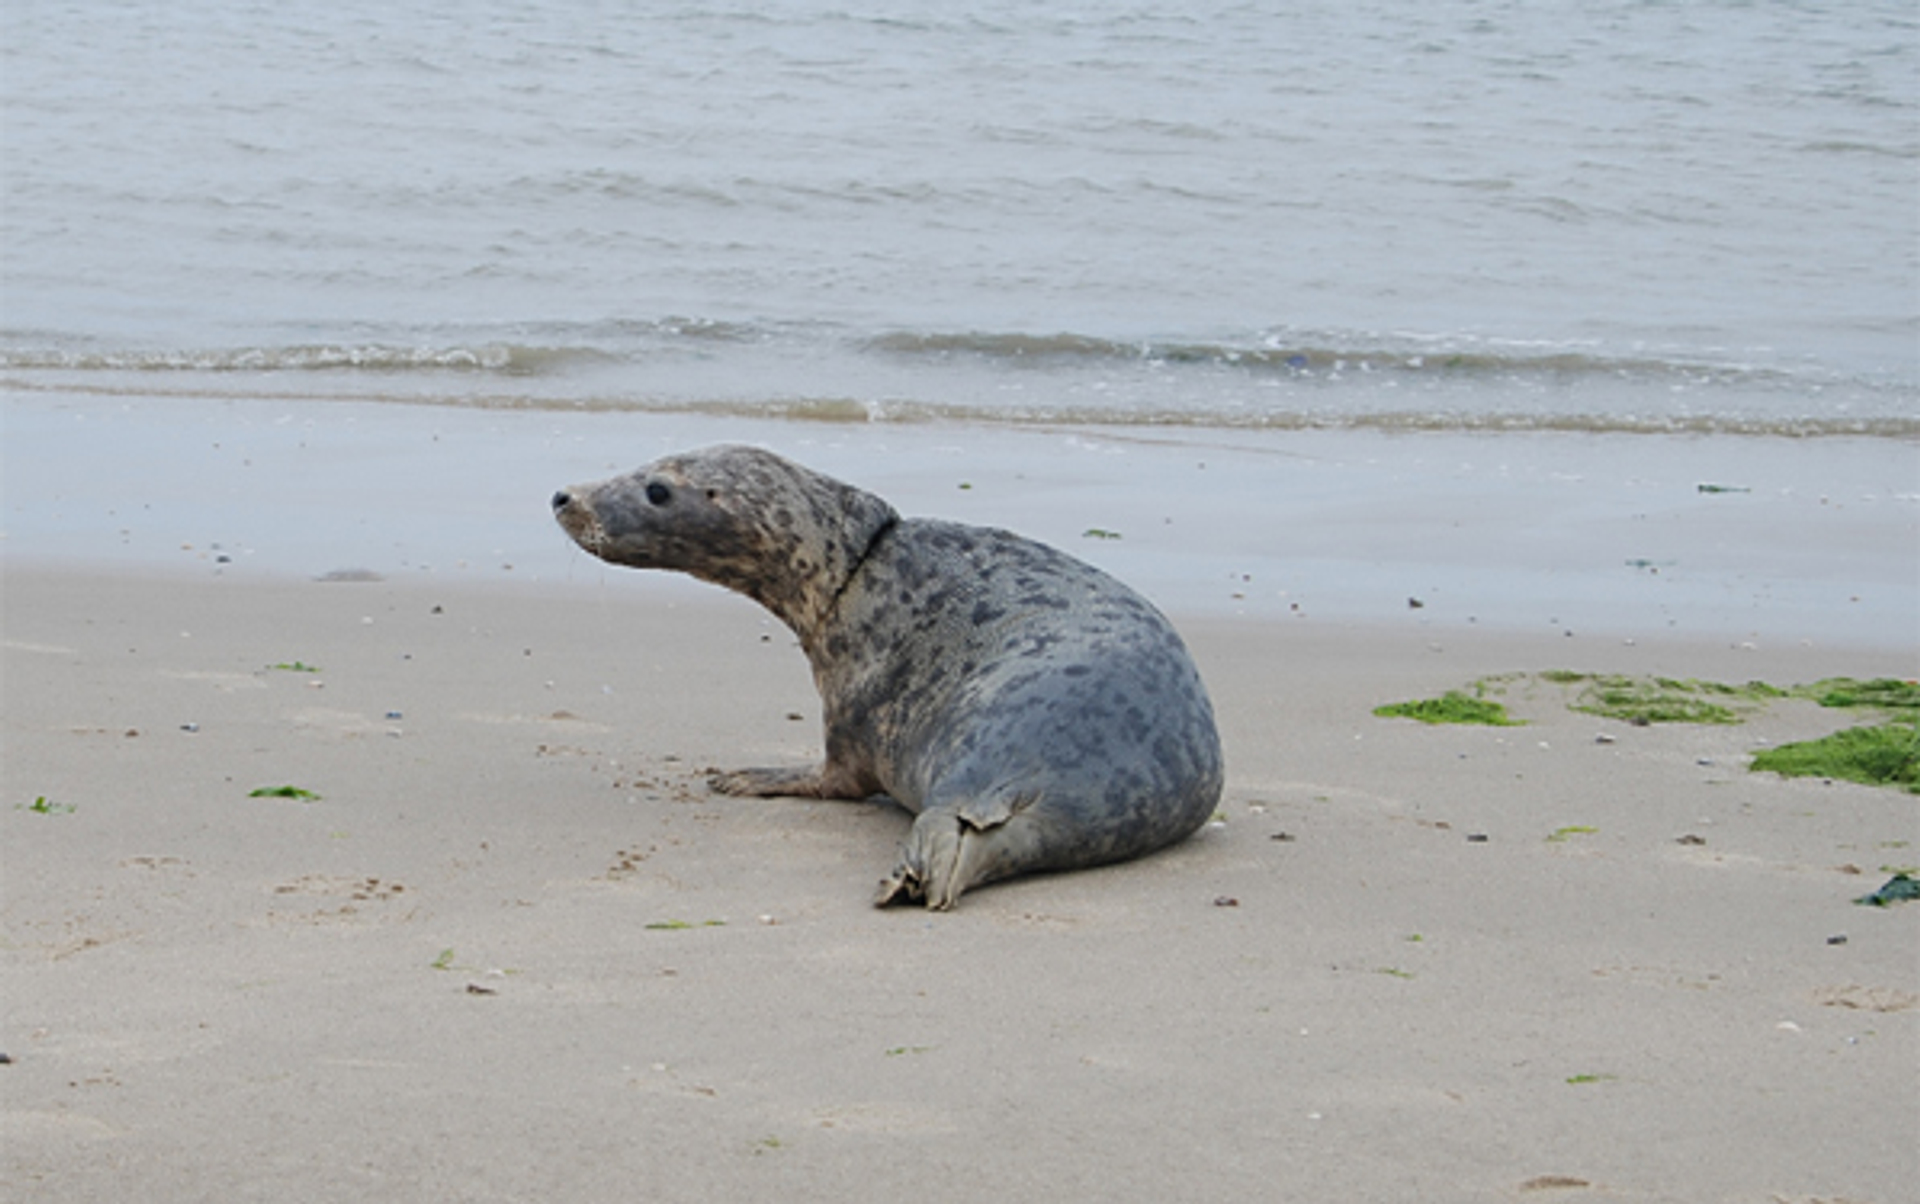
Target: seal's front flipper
[
  {"x": 822, "y": 782},
  {"x": 953, "y": 848},
  {"x": 767, "y": 783}
]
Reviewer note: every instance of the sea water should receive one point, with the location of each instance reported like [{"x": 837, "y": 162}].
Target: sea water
[{"x": 1625, "y": 216}]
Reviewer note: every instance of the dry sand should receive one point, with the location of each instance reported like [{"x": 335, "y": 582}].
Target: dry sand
[{"x": 515, "y": 951}]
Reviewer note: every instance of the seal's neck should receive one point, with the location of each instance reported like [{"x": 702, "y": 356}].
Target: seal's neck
[
  {"x": 814, "y": 614},
  {"x": 822, "y": 547},
  {"x": 879, "y": 533}
]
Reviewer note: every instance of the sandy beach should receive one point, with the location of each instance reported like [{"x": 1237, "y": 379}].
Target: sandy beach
[
  {"x": 513, "y": 949},
  {"x": 356, "y": 844}
]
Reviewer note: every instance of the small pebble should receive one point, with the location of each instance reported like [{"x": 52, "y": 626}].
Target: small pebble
[
  {"x": 189, "y": 727},
  {"x": 1226, "y": 901},
  {"x": 1603, "y": 738},
  {"x": 393, "y": 714},
  {"x": 1476, "y": 838},
  {"x": 1838, "y": 939}
]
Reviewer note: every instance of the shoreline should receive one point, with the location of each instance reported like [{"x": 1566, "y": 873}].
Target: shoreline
[
  {"x": 1789, "y": 541},
  {"x": 515, "y": 950}
]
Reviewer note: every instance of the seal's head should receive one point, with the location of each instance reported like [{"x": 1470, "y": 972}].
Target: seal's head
[{"x": 736, "y": 516}]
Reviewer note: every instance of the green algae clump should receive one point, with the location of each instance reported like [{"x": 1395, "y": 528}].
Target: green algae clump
[
  {"x": 1455, "y": 706},
  {"x": 1887, "y": 693},
  {"x": 1647, "y": 700},
  {"x": 1884, "y": 755}
]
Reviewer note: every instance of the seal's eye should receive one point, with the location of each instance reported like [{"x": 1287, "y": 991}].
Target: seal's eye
[{"x": 659, "y": 494}]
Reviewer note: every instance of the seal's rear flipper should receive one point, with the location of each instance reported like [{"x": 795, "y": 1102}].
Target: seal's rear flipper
[
  {"x": 953, "y": 848},
  {"x": 903, "y": 886}
]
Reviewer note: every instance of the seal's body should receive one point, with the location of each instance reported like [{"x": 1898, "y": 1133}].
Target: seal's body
[{"x": 1036, "y": 713}]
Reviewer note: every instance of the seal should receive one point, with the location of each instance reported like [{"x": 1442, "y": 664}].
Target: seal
[{"x": 1033, "y": 712}]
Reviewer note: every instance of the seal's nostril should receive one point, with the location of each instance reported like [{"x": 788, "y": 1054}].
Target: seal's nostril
[{"x": 562, "y": 500}]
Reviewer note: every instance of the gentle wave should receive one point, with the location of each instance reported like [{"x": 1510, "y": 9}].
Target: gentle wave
[
  {"x": 858, "y": 411},
  {"x": 605, "y": 344},
  {"x": 1276, "y": 353},
  {"x": 614, "y": 343},
  {"x": 506, "y": 359},
  {"x": 850, "y": 410}
]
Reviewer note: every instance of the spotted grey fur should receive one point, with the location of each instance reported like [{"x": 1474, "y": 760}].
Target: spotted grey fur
[{"x": 1034, "y": 712}]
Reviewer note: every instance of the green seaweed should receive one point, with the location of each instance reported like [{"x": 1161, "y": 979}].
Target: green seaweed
[
  {"x": 677, "y": 925},
  {"x": 1885, "y": 755},
  {"x": 444, "y": 961},
  {"x": 1887, "y": 693},
  {"x": 294, "y": 792},
  {"x": 1562, "y": 835},
  {"x": 1455, "y": 706},
  {"x": 40, "y": 806},
  {"x": 295, "y": 667},
  {"x": 1580, "y": 1079},
  {"x": 1099, "y": 533},
  {"x": 1645, "y": 700},
  {"x": 1901, "y": 888}
]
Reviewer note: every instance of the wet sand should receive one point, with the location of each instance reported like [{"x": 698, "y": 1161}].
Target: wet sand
[{"x": 1792, "y": 540}]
